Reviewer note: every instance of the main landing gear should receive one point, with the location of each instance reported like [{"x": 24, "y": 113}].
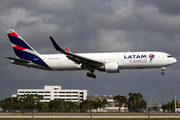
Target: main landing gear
[
  {"x": 91, "y": 74},
  {"x": 91, "y": 69},
  {"x": 162, "y": 73}
]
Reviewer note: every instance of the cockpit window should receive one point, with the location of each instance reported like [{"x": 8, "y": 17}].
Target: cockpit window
[{"x": 169, "y": 56}]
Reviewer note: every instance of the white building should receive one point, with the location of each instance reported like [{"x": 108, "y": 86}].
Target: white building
[
  {"x": 55, "y": 92},
  {"x": 111, "y": 106}
]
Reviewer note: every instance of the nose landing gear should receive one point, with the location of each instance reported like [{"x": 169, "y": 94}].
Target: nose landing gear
[{"x": 162, "y": 73}]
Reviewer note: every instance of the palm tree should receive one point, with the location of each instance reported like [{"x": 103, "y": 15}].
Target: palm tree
[
  {"x": 135, "y": 98},
  {"x": 120, "y": 100}
]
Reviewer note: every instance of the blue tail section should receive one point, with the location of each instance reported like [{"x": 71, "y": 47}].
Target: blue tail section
[{"x": 23, "y": 50}]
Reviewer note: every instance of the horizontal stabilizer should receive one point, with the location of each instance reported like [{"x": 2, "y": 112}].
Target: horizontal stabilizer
[{"x": 18, "y": 60}]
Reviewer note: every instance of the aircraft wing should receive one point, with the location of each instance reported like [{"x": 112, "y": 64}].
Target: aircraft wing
[
  {"x": 77, "y": 58},
  {"x": 18, "y": 60}
]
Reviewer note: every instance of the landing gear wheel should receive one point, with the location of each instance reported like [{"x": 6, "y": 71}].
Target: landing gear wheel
[
  {"x": 90, "y": 75},
  {"x": 93, "y": 76},
  {"x": 91, "y": 72},
  {"x": 162, "y": 73}
]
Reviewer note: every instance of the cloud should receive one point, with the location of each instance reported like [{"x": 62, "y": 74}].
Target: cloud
[
  {"x": 92, "y": 26},
  {"x": 164, "y": 6},
  {"x": 113, "y": 41}
]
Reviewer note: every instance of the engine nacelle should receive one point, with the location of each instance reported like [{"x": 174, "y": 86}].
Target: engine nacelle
[{"x": 110, "y": 68}]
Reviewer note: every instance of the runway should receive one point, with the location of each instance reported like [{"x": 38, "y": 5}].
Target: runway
[{"x": 86, "y": 116}]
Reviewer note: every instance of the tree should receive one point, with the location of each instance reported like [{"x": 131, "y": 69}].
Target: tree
[
  {"x": 100, "y": 103},
  {"x": 104, "y": 102},
  {"x": 7, "y": 103},
  {"x": 170, "y": 106},
  {"x": 42, "y": 105},
  {"x": 71, "y": 105},
  {"x": 120, "y": 100},
  {"x": 26, "y": 101},
  {"x": 141, "y": 104},
  {"x": 87, "y": 104},
  {"x": 135, "y": 101},
  {"x": 97, "y": 103},
  {"x": 57, "y": 104}
]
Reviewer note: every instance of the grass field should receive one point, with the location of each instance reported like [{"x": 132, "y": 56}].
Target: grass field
[{"x": 89, "y": 119}]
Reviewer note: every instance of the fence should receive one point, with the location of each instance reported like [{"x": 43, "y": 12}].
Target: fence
[{"x": 81, "y": 111}]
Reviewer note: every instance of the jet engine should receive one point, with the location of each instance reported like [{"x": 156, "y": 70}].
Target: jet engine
[{"x": 110, "y": 68}]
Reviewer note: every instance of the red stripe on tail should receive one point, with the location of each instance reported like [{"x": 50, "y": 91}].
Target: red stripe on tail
[
  {"x": 13, "y": 34},
  {"x": 19, "y": 47}
]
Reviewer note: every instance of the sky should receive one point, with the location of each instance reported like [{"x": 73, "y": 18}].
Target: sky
[{"x": 93, "y": 26}]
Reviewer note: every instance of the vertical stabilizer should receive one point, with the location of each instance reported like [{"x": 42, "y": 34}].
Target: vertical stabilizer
[
  {"x": 28, "y": 56},
  {"x": 21, "y": 48}
]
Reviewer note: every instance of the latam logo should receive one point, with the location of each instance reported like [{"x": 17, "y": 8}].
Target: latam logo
[
  {"x": 134, "y": 56},
  {"x": 139, "y": 58},
  {"x": 151, "y": 56}
]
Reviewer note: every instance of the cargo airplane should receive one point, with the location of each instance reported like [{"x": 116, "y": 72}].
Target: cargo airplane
[{"x": 68, "y": 61}]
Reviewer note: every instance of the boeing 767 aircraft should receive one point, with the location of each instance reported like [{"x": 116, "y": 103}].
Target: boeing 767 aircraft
[{"x": 68, "y": 61}]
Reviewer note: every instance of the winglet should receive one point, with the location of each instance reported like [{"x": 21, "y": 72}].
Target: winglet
[
  {"x": 55, "y": 44},
  {"x": 67, "y": 50}
]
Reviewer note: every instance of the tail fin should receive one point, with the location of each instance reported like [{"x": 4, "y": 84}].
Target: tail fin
[{"x": 21, "y": 48}]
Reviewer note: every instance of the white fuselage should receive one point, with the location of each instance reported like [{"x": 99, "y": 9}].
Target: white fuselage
[{"x": 126, "y": 60}]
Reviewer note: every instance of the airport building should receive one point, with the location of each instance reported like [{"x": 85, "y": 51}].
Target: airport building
[{"x": 55, "y": 92}]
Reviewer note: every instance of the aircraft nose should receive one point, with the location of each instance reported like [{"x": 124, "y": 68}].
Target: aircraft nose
[{"x": 174, "y": 60}]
